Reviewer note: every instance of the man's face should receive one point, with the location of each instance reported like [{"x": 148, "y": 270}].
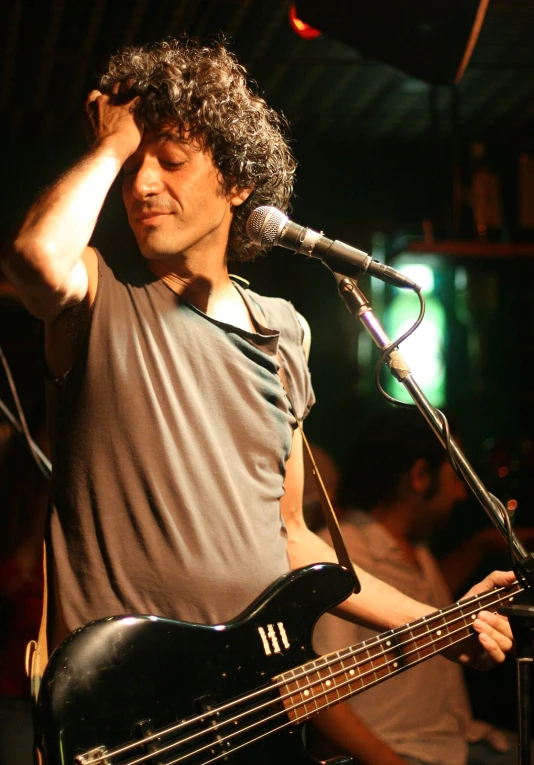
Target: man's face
[{"x": 174, "y": 199}]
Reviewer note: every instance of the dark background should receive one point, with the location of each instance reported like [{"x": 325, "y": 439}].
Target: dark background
[{"x": 380, "y": 151}]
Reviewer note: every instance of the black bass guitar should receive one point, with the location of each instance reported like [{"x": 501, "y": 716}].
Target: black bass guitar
[{"x": 142, "y": 690}]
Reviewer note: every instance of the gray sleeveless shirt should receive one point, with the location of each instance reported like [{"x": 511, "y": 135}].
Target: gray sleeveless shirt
[{"x": 169, "y": 442}]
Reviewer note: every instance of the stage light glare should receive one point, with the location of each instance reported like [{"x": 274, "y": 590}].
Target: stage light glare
[{"x": 300, "y": 27}]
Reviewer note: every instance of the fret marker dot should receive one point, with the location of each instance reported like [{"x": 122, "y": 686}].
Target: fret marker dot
[
  {"x": 388, "y": 642},
  {"x": 351, "y": 672},
  {"x": 473, "y": 617},
  {"x": 328, "y": 682},
  {"x": 306, "y": 693},
  {"x": 438, "y": 632},
  {"x": 395, "y": 663}
]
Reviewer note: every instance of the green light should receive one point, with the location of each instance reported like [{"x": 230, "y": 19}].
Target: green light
[
  {"x": 424, "y": 350},
  {"x": 419, "y": 273}
]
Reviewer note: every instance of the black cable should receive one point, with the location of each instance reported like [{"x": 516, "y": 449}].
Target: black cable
[
  {"x": 20, "y": 425},
  {"x": 393, "y": 346},
  {"x": 444, "y": 423}
]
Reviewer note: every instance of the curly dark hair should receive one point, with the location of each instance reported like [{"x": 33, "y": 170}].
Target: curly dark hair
[
  {"x": 386, "y": 448},
  {"x": 203, "y": 90}
]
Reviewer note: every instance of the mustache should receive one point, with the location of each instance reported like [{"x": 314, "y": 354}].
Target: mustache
[{"x": 145, "y": 208}]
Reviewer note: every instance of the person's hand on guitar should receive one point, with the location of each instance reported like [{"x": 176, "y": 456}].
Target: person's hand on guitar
[{"x": 494, "y": 639}]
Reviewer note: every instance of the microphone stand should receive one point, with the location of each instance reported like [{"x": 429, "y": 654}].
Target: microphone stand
[{"x": 521, "y": 616}]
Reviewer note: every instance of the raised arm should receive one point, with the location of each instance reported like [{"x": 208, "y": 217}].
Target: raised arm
[{"x": 49, "y": 264}]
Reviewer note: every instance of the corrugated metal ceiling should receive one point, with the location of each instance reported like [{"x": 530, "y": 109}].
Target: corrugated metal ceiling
[{"x": 53, "y": 50}]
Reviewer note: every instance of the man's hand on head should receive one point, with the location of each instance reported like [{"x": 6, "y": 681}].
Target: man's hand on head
[{"x": 110, "y": 117}]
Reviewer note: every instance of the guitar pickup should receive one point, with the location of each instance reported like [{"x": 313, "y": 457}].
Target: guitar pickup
[
  {"x": 94, "y": 755},
  {"x": 207, "y": 706}
]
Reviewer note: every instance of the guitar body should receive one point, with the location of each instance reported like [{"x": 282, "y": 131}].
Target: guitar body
[{"x": 117, "y": 682}]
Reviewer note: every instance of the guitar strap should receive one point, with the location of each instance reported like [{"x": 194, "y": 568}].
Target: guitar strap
[
  {"x": 37, "y": 655},
  {"x": 37, "y": 650},
  {"x": 326, "y": 505}
]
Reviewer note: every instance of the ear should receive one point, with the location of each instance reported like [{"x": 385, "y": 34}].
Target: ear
[
  {"x": 238, "y": 196},
  {"x": 420, "y": 476}
]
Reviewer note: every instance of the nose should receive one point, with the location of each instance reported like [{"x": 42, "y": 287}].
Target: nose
[{"x": 146, "y": 181}]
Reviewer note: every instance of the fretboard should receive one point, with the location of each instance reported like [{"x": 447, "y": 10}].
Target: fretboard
[{"x": 334, "y": 677}]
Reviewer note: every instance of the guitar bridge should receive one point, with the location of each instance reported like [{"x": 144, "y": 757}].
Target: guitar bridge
[{"x": 97, "y": 755}]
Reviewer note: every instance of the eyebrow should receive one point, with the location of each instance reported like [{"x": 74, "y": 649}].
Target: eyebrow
[{"x": 170, "y": 135}]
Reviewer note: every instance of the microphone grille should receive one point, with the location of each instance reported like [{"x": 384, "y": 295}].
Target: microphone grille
[{"x": 265, "y": 224}]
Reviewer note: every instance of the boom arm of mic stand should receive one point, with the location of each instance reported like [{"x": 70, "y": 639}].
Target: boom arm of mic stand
[{"x": 359, "y": 307}]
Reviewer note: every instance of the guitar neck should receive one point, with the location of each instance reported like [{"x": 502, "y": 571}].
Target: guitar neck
[{"x": 335, "y": 677}]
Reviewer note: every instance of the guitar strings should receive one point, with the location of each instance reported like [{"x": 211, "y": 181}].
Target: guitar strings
[
  {"x": 281, "y": 727},
  {"x": 225, "y": 753},
  {"x": 240, "y": 700},
  {"x": 380, "y": 641},
  {"x": 325, "y": 706},
  {"x": 352, "y": 651}
]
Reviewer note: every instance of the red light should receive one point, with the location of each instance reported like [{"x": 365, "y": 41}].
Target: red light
[{"x": 300, "y": 27}]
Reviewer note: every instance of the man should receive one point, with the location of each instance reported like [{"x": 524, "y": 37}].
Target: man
[
  {"x": 397, "y": 490},
  {"x": 175, "y": 450}
]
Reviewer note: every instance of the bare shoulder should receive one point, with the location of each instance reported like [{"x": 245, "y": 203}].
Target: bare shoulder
[
  {"x": 306, "y": 337},
  {"x": 65, "y": 332}
]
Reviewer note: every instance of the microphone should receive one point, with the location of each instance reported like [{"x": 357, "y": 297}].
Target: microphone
[{"x": 268, "y": 226}]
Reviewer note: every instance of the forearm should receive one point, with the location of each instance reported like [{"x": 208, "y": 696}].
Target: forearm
[
  {"x": 45, "y": 262},
  {"x": 380, "y": 606},
  {"x": 377, "y": 605},
  {"x": 58, "y": 227}
]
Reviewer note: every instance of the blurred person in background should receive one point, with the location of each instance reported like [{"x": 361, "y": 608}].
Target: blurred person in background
[{"x": 396, "y": 490}]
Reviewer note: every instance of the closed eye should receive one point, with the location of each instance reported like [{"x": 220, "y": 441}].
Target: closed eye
[{"x": 171, "y": 165}]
